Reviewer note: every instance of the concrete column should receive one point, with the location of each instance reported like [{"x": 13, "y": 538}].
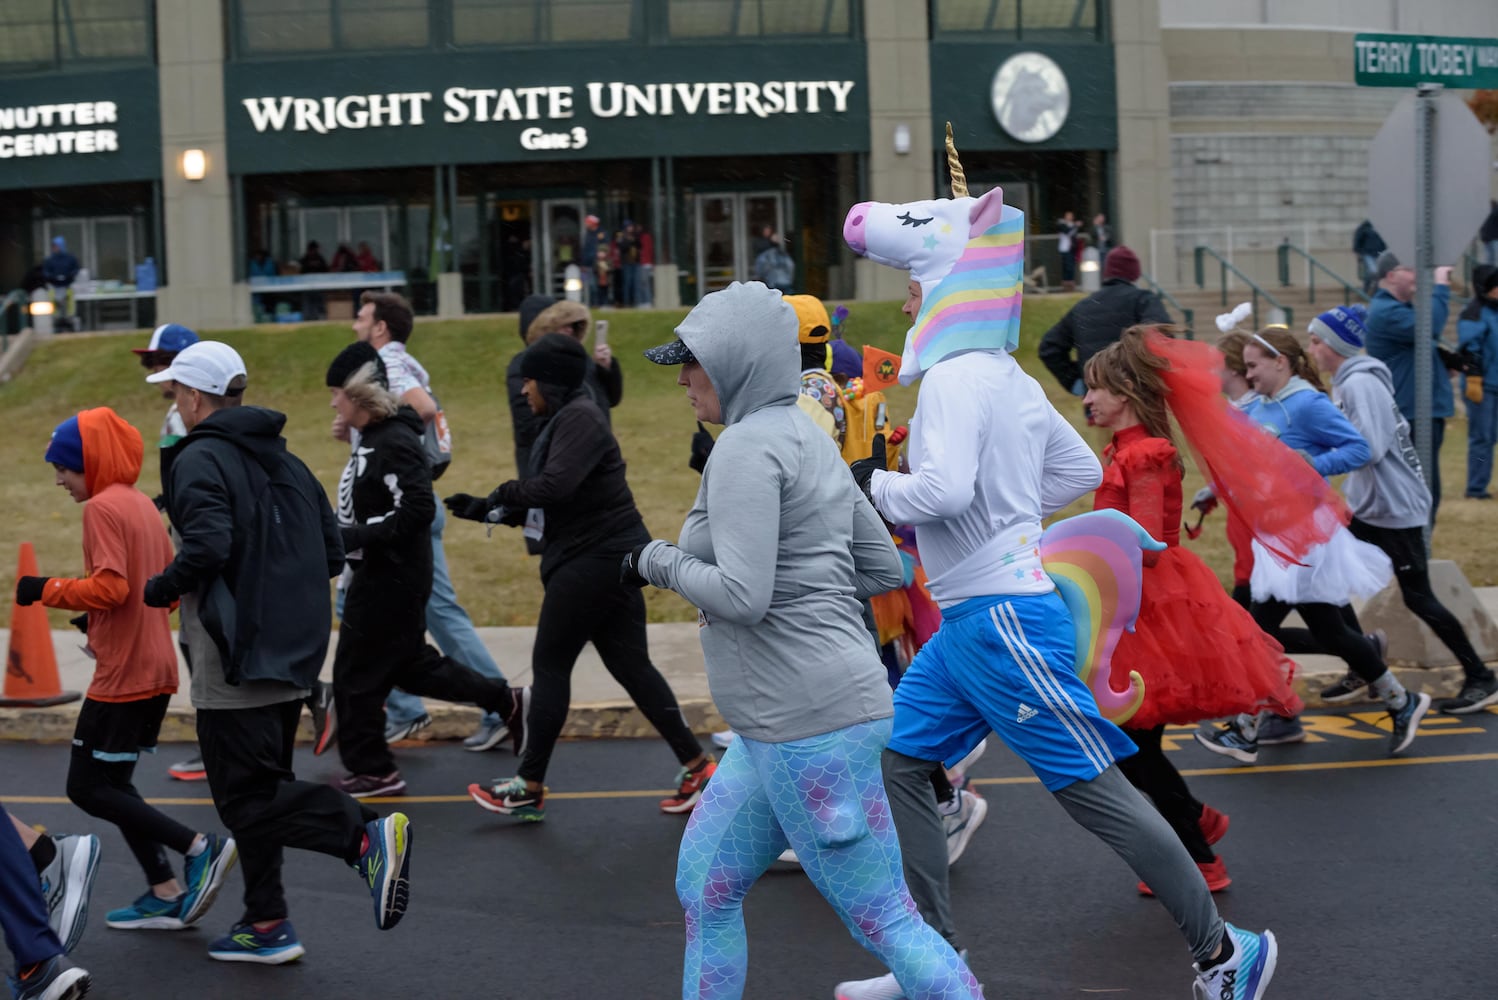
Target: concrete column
[
  {"x": 197, "y": 223},
  {"x": 899, "y": 56},
  {"x": 1145, "y": 187}
]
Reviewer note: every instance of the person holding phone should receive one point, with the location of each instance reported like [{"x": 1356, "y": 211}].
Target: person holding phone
[{"x": 604, "y": 381}]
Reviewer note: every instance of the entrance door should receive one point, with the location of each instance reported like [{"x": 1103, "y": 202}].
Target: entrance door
[
  {"x": 731, "y": 232},
  {"x": 561, "y": 243},
  {"x": 104, "y": 245}
]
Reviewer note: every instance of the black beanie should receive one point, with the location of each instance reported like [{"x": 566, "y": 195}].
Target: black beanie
[
  {"x": 555, "y": 359},
  {"x": 531, "y": 307},
  {"x": 351, "y": 359}
]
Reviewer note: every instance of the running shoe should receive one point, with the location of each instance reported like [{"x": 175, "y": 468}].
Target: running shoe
[
  {"x": 189, "y": 770},
  {"x": 1214, "y": 872},
  {"x": 205, "y": 874},
  {"x": 1350, "y": 688},
  {"x": 1276, "y": 729},
  {"x": 67, "y": 884},
  {"x": 689, "y": 786},
  {"x": 965, "y": 818},
  {"x": 397, "y": 731},
  {"x": 244, "y": 943},
  {"x": 148, "y": 913},
  {"x": 510, "y": 797},
  {"x": 1407, "y": 720},
  {"x": 365, "y": 786},
  {"x": 788, "y": 857},
  {"x": 966, "y": 763},
  {"x": 1214, "y": 824},
  {"x": 724, "y": 739},
  {"x": 386, "y": 866},
  {"x": 324, "y": 718},
  {"x": 1475, "y": 696},
  {"x": 54, "y": 979},
  {"x": 1228, "y": 741},
  {"x": 519, "y": 734},
  {"x": 487, "y": 736},
  {"x": 1244, "y": 976},
  {"x": 883, "y": 987}
]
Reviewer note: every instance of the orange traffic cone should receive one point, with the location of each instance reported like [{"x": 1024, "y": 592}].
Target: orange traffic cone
[{"x": 31, "y": 671}]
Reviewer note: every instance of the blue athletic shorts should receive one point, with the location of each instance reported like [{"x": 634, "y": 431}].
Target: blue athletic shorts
[{"x": 1006, "y": 664}]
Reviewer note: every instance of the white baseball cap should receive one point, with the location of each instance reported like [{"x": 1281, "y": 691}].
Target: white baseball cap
[{"x": 207, "y": 366}]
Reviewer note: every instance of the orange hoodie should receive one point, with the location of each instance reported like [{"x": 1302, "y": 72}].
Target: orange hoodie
[{"x": 124, "y": 545}]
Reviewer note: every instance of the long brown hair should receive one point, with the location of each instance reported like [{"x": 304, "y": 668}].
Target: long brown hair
[
  {"x": 1282, "y": 342},
  {"x": 1129, "y": 369},
  {"x": 1231, "y": 347}
]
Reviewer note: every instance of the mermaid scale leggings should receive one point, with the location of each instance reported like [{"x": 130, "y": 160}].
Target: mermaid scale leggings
[{"x": 824, "y": 797}]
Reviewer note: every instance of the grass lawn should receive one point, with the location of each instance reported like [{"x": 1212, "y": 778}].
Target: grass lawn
[{"x": 495, "y": 580}]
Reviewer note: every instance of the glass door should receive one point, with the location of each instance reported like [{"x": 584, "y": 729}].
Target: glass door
[
  {"x": 366, "y": 224},
  {"x": 320, "y": 226},
  {"x": 114, "y": 249},
  {"x": 561, "y": 243},
  {"x": 733, "y": 229}
]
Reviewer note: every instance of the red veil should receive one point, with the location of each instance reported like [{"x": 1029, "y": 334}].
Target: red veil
[{"x": 1284, "y": 501}]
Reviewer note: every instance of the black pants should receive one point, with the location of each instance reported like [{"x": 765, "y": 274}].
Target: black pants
[
  {"x": 247, "y": 753},
  {"x": 106, "y": 743},
  {"x": 585, "y": 602},
  {"x": 382, "y": 645},
  {"x": 1330, "y": 629},
  {"x": 1155, "y": 776},
  {"x": 1405, "y": 547},
  {"x": 1437, "y": 436}
]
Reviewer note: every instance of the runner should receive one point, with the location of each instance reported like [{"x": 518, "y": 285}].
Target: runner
[
  {"x": 67, "y": 865},
  {"x": 789, "y": 660},
  {"x": 98, "y": 457},
  {"x": 573, "y": 497},
  {"x": 1200, "y": 654},
  {"x": 989, "y": 458},
  {"x": 42, "y": 969}
]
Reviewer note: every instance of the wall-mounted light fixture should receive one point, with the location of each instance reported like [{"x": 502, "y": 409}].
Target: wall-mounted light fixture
[
  {"x": 41, "y": 308},
  {"x": 902, "y": 139},
  {"x": 194, "y": 164}
]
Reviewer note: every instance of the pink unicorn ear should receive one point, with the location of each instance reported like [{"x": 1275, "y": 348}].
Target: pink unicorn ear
[{"x": 985, "y": 213}]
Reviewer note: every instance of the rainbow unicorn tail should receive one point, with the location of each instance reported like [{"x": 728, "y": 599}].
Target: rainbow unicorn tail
[{"x": 1095, "y": 561}]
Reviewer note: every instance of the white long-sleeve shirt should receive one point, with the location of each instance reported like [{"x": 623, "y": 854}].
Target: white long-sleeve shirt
[{"x": 989, "y": 457}]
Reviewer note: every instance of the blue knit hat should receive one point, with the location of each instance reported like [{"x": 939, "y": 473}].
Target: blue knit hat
[
  {"x": 1341, "y": 329},
  {"x": 66, "y": 447}
]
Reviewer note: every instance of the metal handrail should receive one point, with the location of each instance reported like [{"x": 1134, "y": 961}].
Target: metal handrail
[
  {"x": 1188, "y": 314},
  {"x": 1348, "y": 288},
  {"x": 1225, "y": 266}
]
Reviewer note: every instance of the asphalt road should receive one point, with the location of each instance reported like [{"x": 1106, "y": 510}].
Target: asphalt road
[{"x": 1377, "y": 876}]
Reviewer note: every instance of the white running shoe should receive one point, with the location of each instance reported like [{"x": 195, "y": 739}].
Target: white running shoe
[
  {"x": 882, "y": 988},
  {"x": 725, "y": 739},
  {"x": 1246, "y": 975},
  {"x": 67, "y": 884},
  {"x": 788, "y": 857},
  {"x": 960, "y": 823},
  {"x": 962, "y": 766}
]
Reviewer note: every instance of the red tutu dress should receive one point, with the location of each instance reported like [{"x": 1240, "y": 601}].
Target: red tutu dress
[{"x": 1200, "y": 654}]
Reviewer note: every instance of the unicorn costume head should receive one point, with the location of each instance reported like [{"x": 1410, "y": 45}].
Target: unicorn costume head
[{"x": 968, "y": 255}]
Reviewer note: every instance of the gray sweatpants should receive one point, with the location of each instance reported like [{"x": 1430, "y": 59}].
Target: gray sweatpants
[{"x": 1108, "y": 806}]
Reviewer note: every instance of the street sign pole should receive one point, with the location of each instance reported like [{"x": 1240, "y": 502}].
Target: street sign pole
[{"x": 1425, "y": 129}]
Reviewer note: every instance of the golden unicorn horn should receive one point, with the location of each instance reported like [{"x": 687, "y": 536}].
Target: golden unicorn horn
[{"x": 959, "y": 179}]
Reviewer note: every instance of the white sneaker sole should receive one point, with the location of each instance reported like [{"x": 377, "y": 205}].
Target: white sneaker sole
[
  {"x": 71, "y": 984},
  {"x": 222, "y": 865},
  {"x": 1241, "y": 756},
  {"x": 82, "y": 867},
  {"x": 1271, "y": 959},
  {"x": 489, "y": 742},
  {"x": 1361, "y": 694},
  {"x": 149, "y": 924},
  {"x": 1477, "y": 706},
  {"x": 280, "y": 957},
  {"x": 1422, "y": 705},
  {"x": 957, "y": 844}
]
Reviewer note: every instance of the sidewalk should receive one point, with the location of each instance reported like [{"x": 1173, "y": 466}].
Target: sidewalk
[{"x": 600, "y": 707}]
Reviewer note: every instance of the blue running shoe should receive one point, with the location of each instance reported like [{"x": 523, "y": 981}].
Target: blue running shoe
[
  {"x": 386, "y": 867},
  {"x": 244, "y": 943},
  {"x": 205, "y": 876},
  {"x": 1230, "y": 741},
  {"x": 148, "y": 913},
  {"x": 1244, "y": 976},
  {"x": 54, "y": 979}
]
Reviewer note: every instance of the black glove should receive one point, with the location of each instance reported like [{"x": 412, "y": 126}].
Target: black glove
[
  {"x": 629, "y": 570},
  {"x": 702, "y": 446},
  {"x": 160, "y": 501},
  {"x": 158, "y": 593},
  {"x": 863, "y": 469},
  {"x": 80, "y": 623},
  {"x": 29, "y": 589},
  {"x": 467, "y": 506}
]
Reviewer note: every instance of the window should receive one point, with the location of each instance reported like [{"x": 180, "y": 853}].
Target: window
[
  {"x": 692, "y": 19},
  {"x": 48, "y": 35},
  {"x": 288, "y": 26},
  {"x": 1054, "y": 20},
  {"x": 527, "y": 22}
]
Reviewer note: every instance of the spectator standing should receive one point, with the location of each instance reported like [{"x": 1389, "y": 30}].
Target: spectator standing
[
  {"x": 1367, "y": 245},
  {"x": 645, "y": 292},
  {"x": 1391, "y": 339},
  {"x": 1488, "y": 234},
  {"x": 1067, "y": 228},
  {"x": 314, "y": 305},
  {"x": 627, "y": 246},
  {"x": 262, "y": 265},
  {"x": 1100, "y": 320},
  {"x": 59, "y": 269},
  {"x": 1477, "y": 334},
  {"x": 588, "y": 260},
  {"x": 775, "y": 267},
  {"x": 1102, "y": 235}
]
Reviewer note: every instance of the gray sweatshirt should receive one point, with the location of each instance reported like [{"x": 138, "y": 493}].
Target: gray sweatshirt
[
  {"x": 1388, "y": 492},
  {"x": 780, "y": 545}
]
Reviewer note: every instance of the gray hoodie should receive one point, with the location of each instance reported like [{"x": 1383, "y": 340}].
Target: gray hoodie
[
  {"x": 780, "y": 545},
  {"x": 1388, "y": 492}
]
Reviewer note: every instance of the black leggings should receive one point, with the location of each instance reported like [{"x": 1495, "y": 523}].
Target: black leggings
[
  {"x": 105, "y": 790},
  {"x": 585, "y": 602},
  {"x": 1331, "y": 629},
  {"x": 1155, "y": 776}
]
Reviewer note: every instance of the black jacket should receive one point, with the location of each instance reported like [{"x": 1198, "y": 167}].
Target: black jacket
[
  {"x": 385, "y": 504},
  {"x": 262, "y": 577},
  {"x": 576, "y": 476},
  {"x": 605, "y": 385},
  {"x": 1093, "y": 324}
]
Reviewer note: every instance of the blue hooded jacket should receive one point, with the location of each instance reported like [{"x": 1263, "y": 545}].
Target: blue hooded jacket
[
  {"x": 1391, "y": 339},
  {"x": 1480, "y": 334},
  {"x": 1308, "y": 421}
]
